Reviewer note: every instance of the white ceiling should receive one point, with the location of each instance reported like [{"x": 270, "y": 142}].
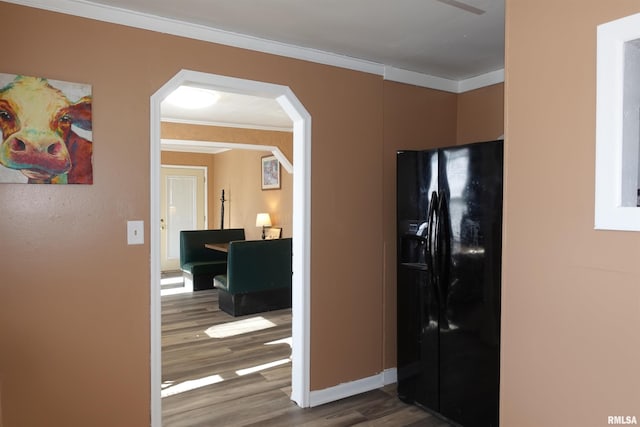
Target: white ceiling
[
  {"x": 235, "y": 110},
  {"x": 435, "y": 37},
  {"x": 231, "y": 110},
  {"x": 439, "y": 43}
]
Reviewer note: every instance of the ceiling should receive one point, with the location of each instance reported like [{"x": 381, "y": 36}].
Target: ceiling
[
  {"x": 452, "y": 39},
  {"x": 232, "y": 110},
  {"x": 440, "y": 40}
]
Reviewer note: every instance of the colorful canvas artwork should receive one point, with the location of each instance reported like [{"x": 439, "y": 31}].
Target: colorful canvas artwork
[{"x": 46, "y": 128}]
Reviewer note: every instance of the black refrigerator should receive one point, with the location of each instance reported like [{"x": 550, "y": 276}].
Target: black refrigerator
[{"x": 449, "y": 211}]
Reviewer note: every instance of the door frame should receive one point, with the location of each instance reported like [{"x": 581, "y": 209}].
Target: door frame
[{"x": 301, "y": 263}]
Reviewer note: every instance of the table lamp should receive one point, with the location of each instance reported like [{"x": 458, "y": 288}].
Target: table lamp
[{"x": 263, "y": 220}]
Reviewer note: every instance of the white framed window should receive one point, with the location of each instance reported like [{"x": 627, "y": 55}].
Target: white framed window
[{"x": 617, "y": 195}]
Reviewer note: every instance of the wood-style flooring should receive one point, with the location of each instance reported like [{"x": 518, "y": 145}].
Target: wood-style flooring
[{"x": 205, "y": 386}]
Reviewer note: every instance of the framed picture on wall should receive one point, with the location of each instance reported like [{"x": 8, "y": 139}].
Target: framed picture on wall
[
  {"x": 46, "y": 131},
  {"x": 270, "y": 173}
]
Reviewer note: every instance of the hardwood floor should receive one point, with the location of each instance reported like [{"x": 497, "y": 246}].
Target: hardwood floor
[{"x": 204, "y": 351}]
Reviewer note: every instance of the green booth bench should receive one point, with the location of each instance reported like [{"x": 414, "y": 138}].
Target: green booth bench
[
  {"x": 258, "y": 277},
  {"x": 199, "y": 265}
]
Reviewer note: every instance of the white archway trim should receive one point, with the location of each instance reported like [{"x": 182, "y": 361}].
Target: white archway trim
[
  {"x": 301, "y": 292},
  {"x": 301, "y": 226}
]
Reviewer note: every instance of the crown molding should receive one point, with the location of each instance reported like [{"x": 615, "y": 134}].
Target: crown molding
[
  {"x": 484, "y": 80},
  {"x": 418, "y": 79},
  {"x": 154, "y": 23},
  {"x": 439, "y": 83}
]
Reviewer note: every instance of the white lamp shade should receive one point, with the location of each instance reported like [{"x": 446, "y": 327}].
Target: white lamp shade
[{"x": 263, "y": 220}]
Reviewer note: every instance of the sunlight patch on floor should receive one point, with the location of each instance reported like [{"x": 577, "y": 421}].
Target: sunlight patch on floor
[
  {"x": 169, "y": 286},
  {"x": 174, "y": 291},
  {"x": 191, "y": 385},
  {"x": 259, "y": 368},
  {"x": 288, "y": 340},
  {"x": 239, "y": 327},
  {"x": 171, "y": 281},
  {"x": 171, "y": 389}
]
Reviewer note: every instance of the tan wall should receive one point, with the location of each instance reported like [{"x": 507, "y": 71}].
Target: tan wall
[
  {"x": 571, "y": 295},
  {"x": 480, "y": 114},
  {"x": 238, "y": 173},
  {"x": 413, "y": 119},
  {"x": 74, "y": 298},
  {"x": 241, "y": 176},
  {"x": 173, "y": 158}
]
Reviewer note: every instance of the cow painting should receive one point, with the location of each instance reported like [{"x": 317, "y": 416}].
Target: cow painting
[{"x": 46, "y": 131}]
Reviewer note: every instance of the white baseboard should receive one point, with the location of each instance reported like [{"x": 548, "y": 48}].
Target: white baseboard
[
  {"x": 390, "y": 376},
  {"x": 331, "y": 394}
]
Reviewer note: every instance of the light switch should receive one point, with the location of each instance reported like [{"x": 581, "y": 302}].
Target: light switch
[{"x": 135, "y": 232}]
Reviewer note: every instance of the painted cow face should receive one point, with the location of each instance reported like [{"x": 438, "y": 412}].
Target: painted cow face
[{"x": 35, "y": 120}]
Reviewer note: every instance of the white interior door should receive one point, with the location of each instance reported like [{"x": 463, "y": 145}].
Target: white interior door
[{"x": 182, "y": 204}]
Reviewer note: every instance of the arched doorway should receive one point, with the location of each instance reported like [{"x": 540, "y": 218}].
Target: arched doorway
[{"x": 301, "y": 224}]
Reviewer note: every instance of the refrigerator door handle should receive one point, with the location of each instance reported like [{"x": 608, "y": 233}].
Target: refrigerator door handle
[
  {"x": 442, "y": 250},
  {"x": 431, "y": 230},
  {"x": 432, "y": 247},
  {"x": 442, "y": 247}
]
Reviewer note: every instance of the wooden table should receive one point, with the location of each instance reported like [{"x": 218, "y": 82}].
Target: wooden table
[{"x": 222, "y": 247}]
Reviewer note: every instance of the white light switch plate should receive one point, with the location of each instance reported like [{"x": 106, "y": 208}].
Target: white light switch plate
[{"x": 135, "y": 232}]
